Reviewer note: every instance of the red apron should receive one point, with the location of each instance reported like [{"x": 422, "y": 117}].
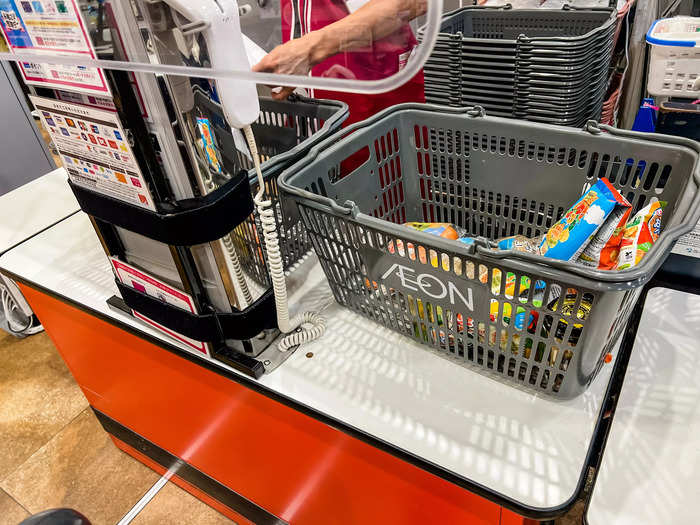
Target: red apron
[{"x": 384, "y": 59}]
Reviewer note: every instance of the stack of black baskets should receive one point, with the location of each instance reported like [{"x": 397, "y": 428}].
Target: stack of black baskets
[
  {"x": 285, "y": 131},
  {"x": 536, "y": 64}
]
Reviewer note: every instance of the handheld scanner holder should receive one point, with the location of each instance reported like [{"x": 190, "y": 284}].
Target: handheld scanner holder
[{"x": 222, "y": 33}]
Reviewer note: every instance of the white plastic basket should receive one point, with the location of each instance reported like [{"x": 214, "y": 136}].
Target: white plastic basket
[{"x": 674, "y": 65}]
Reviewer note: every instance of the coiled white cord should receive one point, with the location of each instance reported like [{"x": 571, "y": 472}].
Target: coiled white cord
[
  {"x": 10, "y": 309},
  {"x": 237, "y": 269},
  {"x": 312, "y": 324},
  {"x": 233, "y": 256}
]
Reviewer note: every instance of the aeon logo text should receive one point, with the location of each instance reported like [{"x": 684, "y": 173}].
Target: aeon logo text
[{"x": 429, "y": 285}]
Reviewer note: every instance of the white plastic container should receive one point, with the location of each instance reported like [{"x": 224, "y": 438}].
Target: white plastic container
[{"x": 674, "y": 65}]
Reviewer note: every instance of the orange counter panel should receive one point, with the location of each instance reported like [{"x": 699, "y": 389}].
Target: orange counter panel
[{"x": 294, "y": 466}]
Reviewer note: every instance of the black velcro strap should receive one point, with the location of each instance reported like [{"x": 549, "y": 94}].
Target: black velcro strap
[
  {"x": 187, "y": 223},
  {"x": 239, "y": 325}
]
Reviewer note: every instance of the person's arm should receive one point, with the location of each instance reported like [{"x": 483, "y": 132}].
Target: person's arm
[{"x": 373, "y": 21}]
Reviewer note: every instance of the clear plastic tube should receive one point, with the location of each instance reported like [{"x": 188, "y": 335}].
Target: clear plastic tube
[{"x": 432, "y": 26}]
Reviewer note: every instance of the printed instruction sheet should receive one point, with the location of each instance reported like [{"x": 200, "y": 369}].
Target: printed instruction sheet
[{"x": 95, "y": 150}]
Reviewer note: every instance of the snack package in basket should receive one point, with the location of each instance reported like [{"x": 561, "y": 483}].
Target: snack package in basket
[
  {"x": 505, "y": 308},
  {"x": 510, "y": 291},
  {"x": 439, "y": 229},
  {"x": 603, "y": 249},
  {"x": 567, "y": 239},
  {"x": 640, "y": 234},
  {"x": 520, "y": 243}
]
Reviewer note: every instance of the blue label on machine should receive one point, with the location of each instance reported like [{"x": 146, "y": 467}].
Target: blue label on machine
[
  {"x": 208, "y": 144},
  {"x": 13, "y": 25}
]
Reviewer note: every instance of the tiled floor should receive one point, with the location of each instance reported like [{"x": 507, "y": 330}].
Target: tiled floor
[{"x": 54, "y": 453}]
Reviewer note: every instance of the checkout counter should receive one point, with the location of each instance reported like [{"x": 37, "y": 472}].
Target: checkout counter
[
  {"x": 649, "y": 471},
  {"x": 34, "y": 207},
  {"x": 364, "y": 425}
]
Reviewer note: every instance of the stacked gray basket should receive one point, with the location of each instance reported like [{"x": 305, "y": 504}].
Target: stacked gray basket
[{"x": 535, "y": 64}]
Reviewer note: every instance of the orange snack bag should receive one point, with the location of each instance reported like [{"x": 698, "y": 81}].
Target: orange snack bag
[{"x": 640, "y": 234}]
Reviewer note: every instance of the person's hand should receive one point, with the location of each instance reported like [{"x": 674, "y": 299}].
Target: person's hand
[{"x": 295, "y": 57}]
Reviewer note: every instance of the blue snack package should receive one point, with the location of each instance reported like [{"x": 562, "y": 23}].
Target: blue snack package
[
  {"x": 208, "y": 144},
  {"x": 570, "y": 236},
  {"x": 506, "y": 244},
  {"x": 520, "y": 243}
]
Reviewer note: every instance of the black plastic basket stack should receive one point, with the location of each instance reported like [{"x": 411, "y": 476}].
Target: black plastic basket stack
[
  {"x": 285, "y": 131},
  {"x": 535, "y": 64}
]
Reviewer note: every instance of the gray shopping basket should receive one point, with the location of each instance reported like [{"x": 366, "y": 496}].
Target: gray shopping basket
[
  {"x": 508, "y": 59},
  {"x": 284, "y": 132},
  {"x": 542, "y": 323}
]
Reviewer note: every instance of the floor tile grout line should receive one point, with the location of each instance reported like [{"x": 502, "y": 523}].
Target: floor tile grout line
[
  {"x": 145, "y": 499},
  {"x": 150, "y": 494},
  {"x": 15, "y": 500},
  {"x": 9, "y": 475},
  {"x": 61, "y": 429},
  {"x": 164, "y": 479}
]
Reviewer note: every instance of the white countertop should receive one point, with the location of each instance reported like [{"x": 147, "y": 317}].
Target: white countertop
[
  {"x": 526, "y": 447},
  {"x": 34, "y": 207},
  {"x": 650, "y": 472}
]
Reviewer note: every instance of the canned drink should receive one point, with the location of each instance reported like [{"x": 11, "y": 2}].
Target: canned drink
[
  {"x": 520, "y": 315},
  {"x": 569, "y": 303}
]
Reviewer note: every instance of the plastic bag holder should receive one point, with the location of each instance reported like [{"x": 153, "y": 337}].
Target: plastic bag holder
[
  {"x": 187, "y": 222},
  {"x": 243, "y": 363},
  {"x": 239, "y": 325}
]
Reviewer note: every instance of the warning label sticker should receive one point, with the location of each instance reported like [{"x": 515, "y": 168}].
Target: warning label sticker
[
  {"x": 689, "y": 244},
  {"x": 153, "y": 287}
]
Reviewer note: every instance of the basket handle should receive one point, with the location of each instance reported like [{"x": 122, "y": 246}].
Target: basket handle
[
  {"x": 468, "y": 111},
  {"x": 475, "y": 3},
  {"x": 625, "y": 279},
  {"x": 319, "y": 149}
]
